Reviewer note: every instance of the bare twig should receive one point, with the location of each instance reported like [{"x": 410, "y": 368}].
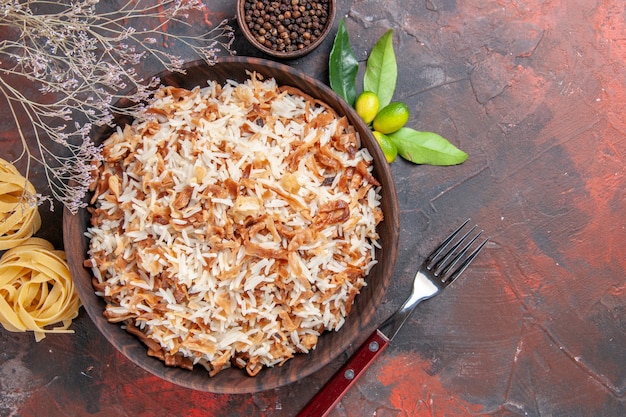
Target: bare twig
[{"x": 81, "y": 61}]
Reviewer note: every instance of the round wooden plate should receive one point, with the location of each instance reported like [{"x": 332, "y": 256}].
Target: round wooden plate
[{"x": 360, "y": 320}]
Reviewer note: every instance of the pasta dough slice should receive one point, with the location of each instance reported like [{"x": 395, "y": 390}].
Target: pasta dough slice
[
  {"x": 19, "y": 217},
  {"x": 37, "y": 291}
]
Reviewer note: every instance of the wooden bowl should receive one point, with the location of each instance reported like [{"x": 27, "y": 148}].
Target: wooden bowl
[
  {"x": 359, "y": 322},
  {"x": 252, "y": 36}
]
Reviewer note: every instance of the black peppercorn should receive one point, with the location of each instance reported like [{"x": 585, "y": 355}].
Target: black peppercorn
[{"x": 286, "y": 25}]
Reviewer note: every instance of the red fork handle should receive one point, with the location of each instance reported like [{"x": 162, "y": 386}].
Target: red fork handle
[{"x": 327, "y": 398}]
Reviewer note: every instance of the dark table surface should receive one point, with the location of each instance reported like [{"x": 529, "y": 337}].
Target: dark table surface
[{"x": 535, "y": 92}]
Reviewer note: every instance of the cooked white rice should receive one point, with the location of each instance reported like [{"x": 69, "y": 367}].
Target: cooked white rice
[{"x": 233, "y": 224}]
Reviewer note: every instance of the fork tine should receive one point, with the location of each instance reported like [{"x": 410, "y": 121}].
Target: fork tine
[
  {"x": 452, "y": 256},
  {"x": 466, "y": 262},
  {"x": 445, "y": 268},
  {"x": 443, "y": 265},
  {"x": 435, "y": 254}
]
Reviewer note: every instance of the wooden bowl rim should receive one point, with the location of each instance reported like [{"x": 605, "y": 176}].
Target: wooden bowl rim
[
  {"x": 245, "y": 30},
  {"x": 75, "y": 241}
]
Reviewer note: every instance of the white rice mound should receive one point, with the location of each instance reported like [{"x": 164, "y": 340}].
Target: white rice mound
[{"x": 232, "y": 225}]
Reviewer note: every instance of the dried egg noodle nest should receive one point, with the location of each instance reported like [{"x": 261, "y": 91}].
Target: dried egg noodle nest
[
  {"x": 233, "y": 224},
  {"x": 19, "y": 215},
  {"x": 36, "y": 290}
]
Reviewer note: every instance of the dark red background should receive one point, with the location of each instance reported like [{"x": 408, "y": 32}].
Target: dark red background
[{"x": 535, "y": 92}]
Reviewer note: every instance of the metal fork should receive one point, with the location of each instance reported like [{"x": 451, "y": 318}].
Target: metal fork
[{"x": 439, "y": 270}]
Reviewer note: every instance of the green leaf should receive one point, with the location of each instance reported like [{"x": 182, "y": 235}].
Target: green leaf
[
  {"x": 426, "y": 148},
  {"x": 343, "y": 66},
  {"x": 381, "y": 71}
]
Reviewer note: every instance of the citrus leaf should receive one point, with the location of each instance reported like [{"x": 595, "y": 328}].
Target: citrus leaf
[
  {"x": 343, "y": 66},
  {"x": 426, "y": 148},
  {"x": 381, "y": 71}
]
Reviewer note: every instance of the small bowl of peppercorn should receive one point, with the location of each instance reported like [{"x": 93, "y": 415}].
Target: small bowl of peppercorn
[{"x": 285, "y": 29}]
